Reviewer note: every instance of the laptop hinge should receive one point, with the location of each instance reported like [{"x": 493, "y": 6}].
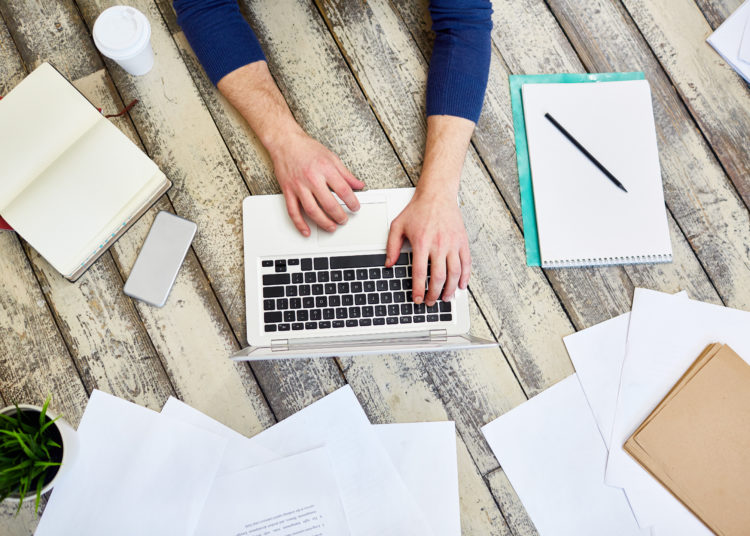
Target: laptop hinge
[{"x": 280, "y": 345}]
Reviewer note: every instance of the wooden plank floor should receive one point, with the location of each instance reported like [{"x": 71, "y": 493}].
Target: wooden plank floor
[{"x": 368, "y": 60}]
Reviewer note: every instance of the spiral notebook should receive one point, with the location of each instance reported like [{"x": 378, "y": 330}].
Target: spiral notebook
[{"x": 583, "y": 219}]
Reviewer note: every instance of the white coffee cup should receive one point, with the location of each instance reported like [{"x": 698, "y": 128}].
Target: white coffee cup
[{"x": 123, "y": 34}]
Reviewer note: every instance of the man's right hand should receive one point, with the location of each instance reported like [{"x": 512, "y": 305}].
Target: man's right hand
[{"x": 308, "y": 172}]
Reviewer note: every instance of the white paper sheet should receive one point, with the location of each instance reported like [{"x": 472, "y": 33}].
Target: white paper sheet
[
  {"x": 137, "y": 472},
  {"x": 425, "y": 456},
  {"x": 292, "y": 496},
  {"x": 730, "y": 40},
  {"x": 552, "y": 452},
  {"x": 664, "y": 338}
]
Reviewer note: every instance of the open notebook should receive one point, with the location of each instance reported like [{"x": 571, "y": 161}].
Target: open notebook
[
  {"x": 583, "y": 219},
  {"x": 72, "y": 183}
]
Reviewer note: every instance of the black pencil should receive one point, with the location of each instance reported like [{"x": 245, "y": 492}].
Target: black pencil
[{"x": 587, "y": 154}]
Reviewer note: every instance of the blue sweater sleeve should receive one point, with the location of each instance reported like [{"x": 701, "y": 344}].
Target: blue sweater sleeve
[
  {"x": 460, "y": 61},
  {"x": 220, "y": 37}
]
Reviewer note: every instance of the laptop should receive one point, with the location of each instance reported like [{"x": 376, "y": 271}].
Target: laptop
[{"x": 330, "y": 294}]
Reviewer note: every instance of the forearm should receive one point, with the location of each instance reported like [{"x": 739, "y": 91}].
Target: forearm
[
  {"x": 448, "y": 139},
  {"x": 253, "y": 92}
]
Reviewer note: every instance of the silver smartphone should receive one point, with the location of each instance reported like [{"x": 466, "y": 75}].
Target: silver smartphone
[{"x": 160, "y": 258}]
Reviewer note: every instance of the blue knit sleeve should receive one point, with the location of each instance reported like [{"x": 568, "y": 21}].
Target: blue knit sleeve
[
  {"x": 460, "y": 58},
  {"x": 220, "y": 37}
]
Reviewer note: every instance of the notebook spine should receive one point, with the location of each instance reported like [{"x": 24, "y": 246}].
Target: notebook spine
[{"x": 608, "y": 261}]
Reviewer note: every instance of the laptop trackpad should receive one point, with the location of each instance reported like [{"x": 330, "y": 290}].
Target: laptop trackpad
[{"x": 366, "y": 227}]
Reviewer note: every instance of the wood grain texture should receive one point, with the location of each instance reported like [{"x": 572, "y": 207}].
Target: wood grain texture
[
  {"x": 717, "y": 11},
  {"x": 717, "y": 97}
]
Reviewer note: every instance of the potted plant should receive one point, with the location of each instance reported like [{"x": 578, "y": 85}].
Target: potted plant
[{"x": 35, "y": 448}]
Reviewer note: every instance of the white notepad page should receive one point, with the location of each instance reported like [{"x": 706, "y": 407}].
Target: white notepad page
[
  {"x": 732, "y": 40},
  {"x": 582, "y": 217}
]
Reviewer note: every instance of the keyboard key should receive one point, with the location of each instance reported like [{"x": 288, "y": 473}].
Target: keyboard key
[
  {"x": 445, "y": 317},
  {"x": 308, "y": 303},
  {"x": 349, "y": 275},
  {"x": 356, "y": 287},
  {"x": 445, "y": 307},
  {"x": 337, "y": 275},
  {"x": 291, "y": 290},
  {"x": 295, "y": 303},
  {"x": 273, "y": 292},
  {"x": 380, "y": 310},
  {"x": 361, "y": 274},
  {"x": 341, "y": 312},
  {"x": 378, "y": 321},
  {"x": 283, "y": 327},
  {"x": 356, "y": 261},
  {"x": 338, "y": 323},
  {"x": 400, "y": 272},
  {"x": 406, "y": 284},
  {"x": 302, "y": 316},
  {"x": 374, "y": 273},
  {"x": 360, "y": 299},
  {"x": 432, "y": 308},
  {"x": 316, "y": 314},
  {"x": 293, "y": 262},
  {"x": 324, "y": 325},
  {"x": 386, "y": 297},
  {"x": 276, "y": 279},
  {"x": 270, "y": 327},
  {"x": 365, "y": 322},
  {"x": 352, "y": 323},
  {"x": 321, "y": 301},
  {"x": 298, "y": 326},
  {"x": 323, "y": 277},
  {"x": 387, "y": 273},
  {"x": 304, "y": 290},
  {"x": 382, "y": 285},
  {"x": 321, "y": 263},
  {"x": 282, "y": 303},
  {"x": 297, "y": 278},
  {"x": 280, "y": 266},
  {"x": 394, "y": 284},
  {"x": 343, "y": 288},
  {"x": 406, "y": 309},
  {"x": 289, "y": 316},
  {"x": 306, "y": 265},
  {"x": 405, "y": 320},
  {"x": 347, "y": 300},
  {"x": 373, "y": 299},
  {"x": 369, "y": 286},
  {"x": 329, "y": 314},
  {"x": 334, "y": 301},
  {"x": 355, "y": 312},
  {"x": 269, "y": 305},
  {"x": 271, "y": 318},
  {"x": 432, "y": 318},
  {"x": 419, "y": 308},
  {"x": 317, "y": 290},
  {"x": 417, "y": 318},
  {"x": 393, "y": 310},
  {"x": 310, "y": 277},
  {"x": 311, "y": 325},
  {"x": 330, "y": 288},
  {"x": 367, "y": 311},
  {"x": 391, "y": 320},
  {"x": 399, "y": 297},
  {"x": 266, "y": 264}
]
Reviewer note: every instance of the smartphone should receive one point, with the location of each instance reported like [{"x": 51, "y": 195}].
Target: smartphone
[{"x": 160, "y": 258}]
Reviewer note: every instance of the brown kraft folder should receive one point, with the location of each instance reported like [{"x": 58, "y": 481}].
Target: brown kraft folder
[{"x": 696, "y": 442}]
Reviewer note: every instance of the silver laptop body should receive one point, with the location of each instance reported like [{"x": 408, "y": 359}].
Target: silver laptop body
[{"x": 329, "y": 294}]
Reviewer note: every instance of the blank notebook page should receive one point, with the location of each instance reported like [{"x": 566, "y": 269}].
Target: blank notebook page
[{"x": 583, "y": 218}]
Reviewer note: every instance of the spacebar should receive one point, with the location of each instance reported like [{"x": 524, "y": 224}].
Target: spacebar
[{"x": 361, "y": 261}]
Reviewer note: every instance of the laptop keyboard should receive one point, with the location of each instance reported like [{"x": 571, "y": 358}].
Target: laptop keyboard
[{"x": 321, "y": 293}]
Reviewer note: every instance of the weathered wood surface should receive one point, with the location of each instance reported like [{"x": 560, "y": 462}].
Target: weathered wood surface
[{"x": 368, "y": 61}]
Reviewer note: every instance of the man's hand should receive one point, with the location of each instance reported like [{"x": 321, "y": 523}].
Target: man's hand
[
  {"x": 435, "y": 229},
  {"x": 307, "y": 172}
]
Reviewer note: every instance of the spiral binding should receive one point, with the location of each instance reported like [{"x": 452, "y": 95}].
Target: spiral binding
[{"x": 608, "y": 261}]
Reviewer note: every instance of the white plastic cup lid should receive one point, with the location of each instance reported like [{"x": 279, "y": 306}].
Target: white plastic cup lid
[{"x": 121, "y": 32}]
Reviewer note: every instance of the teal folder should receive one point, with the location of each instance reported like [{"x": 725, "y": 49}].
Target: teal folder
[{"x": 528, "y": 212}]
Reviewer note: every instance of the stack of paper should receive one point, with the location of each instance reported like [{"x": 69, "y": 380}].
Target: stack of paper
[
  {"x": 626, "y": 367},
  {"x": 732, "y": 40},
  {"x": 323, "y": 471}
]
